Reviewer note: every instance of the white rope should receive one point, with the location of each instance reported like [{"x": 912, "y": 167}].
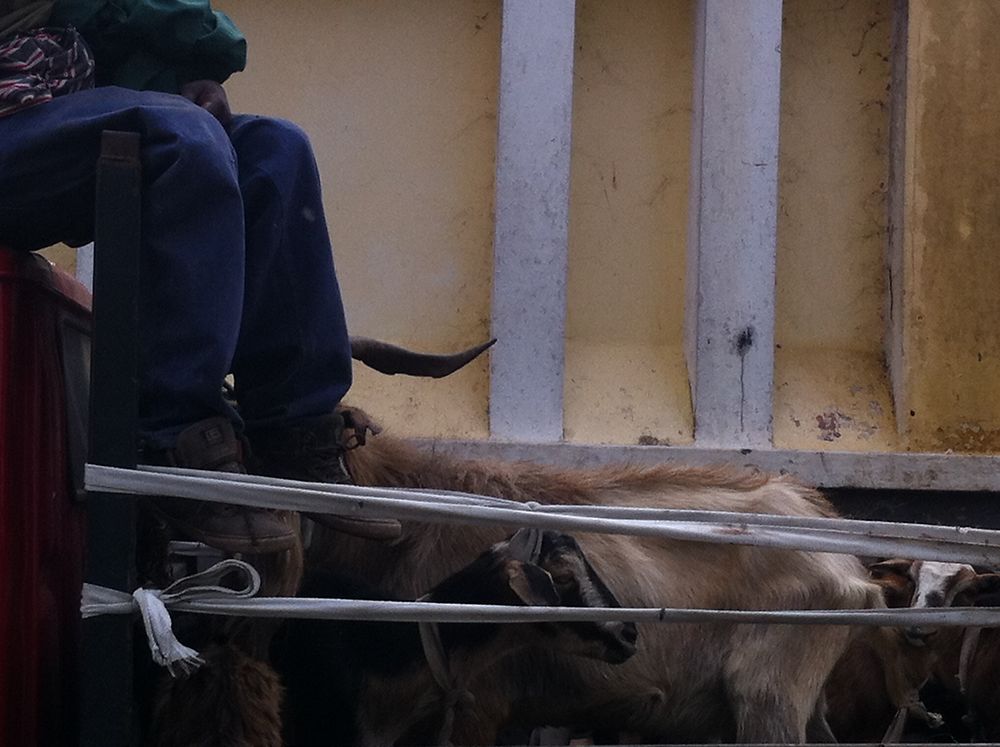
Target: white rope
[
  {"x": 453, "y": 694},
  {"x": 152, "y": 604},
  {"x": 976, "y": 546},
  {"x": 310, "y": 608}
]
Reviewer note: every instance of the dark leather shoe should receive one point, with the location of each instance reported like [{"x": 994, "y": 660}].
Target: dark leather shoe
[
  {"x": 312, "y": 450},
  {"x": 212, "y": 444}
]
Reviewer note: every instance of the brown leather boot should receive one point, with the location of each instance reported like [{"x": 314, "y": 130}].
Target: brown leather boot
[
  {"x": 212, "y": 444},
  {"x": 312, "y": 450}
]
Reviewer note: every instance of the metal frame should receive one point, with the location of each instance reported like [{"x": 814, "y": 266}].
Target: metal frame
[
  {"x": 824, "y": 469},
  {"x": 733, "y": 217}
]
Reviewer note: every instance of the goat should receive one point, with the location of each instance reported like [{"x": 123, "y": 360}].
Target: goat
[
  {"x": 748, "y": 683},
  {"x": 965, "y": 671},
  {"x": 233, "y": 700},
  {"x": 392, "y": 676},
  {"x": 877, "y": 682},
  {"x": 980, "y": 684}
]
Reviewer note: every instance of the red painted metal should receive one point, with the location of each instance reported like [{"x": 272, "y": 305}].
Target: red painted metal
[{"x": 41, "y": 521}]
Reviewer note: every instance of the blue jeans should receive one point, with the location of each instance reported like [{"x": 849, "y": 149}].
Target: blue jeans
[{"x": 236, "y": 270}]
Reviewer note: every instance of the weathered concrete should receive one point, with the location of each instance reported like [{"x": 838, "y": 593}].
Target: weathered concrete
[
  {"x": 830, "y": 385},
  {"x": 626, "y": 377},
  {"x": 946, "y": 310}
]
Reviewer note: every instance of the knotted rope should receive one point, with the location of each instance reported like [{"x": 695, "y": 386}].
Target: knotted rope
[{"x": 153, "y": 605}]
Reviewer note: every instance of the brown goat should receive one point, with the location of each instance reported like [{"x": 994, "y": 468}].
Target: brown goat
[
  {"x": 982, "y": 687},
  {"x": 368, "y": 683},
  {"x": 884, "y": 668},
  {"x": 233, "y": 700},
  {"x": 751, "y": 683},
  {"x": 975, "y": 683}
]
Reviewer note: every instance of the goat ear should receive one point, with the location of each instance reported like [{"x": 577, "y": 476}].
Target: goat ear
[
  {"x": 987, "y": 589},
  {"x": 893, "y": 576},
  {"x": 893, "y": 567},
  {"x": 532, "y": 585},
  {"x": 525, "y": 545}
]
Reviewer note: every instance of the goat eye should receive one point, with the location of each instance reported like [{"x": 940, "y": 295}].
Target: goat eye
[{"x": 563, "y": 579}]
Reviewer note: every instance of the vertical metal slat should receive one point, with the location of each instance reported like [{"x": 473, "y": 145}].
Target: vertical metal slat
[
  {"x": 532, "y": 220},
  {"x": 107, "y": 702},
  {"x": 732, "y": 236}
]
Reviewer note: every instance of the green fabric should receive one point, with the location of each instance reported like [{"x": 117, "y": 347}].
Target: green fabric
[
  {"x": 20, "y": 15},
  {"x": 155, "y": 44}
]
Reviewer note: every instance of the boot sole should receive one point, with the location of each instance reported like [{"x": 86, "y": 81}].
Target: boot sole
[{"x": 229, "y": 543}]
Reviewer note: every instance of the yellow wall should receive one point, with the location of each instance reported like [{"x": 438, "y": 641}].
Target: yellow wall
[
  {"x": 400, "y": 100},
  {"x": 831, "y": 388},
  {"x": 63, "y": 256},
  {"x": 626, "y": 380},
  {"x": 951, "y": 225}
]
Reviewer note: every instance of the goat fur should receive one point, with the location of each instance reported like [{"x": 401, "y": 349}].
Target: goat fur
[{"x": 234, "y": 700}]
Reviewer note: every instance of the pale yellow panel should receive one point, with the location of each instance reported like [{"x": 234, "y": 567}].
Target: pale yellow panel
[
  {"x": 626, "y": 380},
  {"x": 952, "y": 226},
  {"x": 828, "y": 401},
  {"x": 831, "y": 389},
  {"x": 627, "y": 393},
  {"x": 400, "y": 99}
]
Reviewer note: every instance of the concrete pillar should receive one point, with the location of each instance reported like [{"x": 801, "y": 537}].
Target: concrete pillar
[
  {"x": 732, "y": 227},
  {"x": 532, "y": 220}
]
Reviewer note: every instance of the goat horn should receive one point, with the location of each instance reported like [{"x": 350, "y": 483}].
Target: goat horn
[
  {"x": 392, "y": 359},
  {"x": 526, "y": 545}
]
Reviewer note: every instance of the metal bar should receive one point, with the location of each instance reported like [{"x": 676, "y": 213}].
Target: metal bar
[
  {"x": 107, "y": 698},
  {"x": 532, "y": 220},
  {"x": 353, "y": 499},
  {"x": 313, "y": 608},
  {"x": 732, "y": 234},
  {"x": 396, "y": 503}
]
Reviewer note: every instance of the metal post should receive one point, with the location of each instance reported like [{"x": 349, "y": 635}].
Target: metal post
[
  {"x": 107, "y": 702},
  {"x": 733, "y": 221},
  {"x": 532, "y": 220}
]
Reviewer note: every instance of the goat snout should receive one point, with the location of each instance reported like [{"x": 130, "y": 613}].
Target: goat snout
[
  {"x": 630, "y": 633},
  {"x": 919, "y": 636},
  {"x": 623, "y": 642}
]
